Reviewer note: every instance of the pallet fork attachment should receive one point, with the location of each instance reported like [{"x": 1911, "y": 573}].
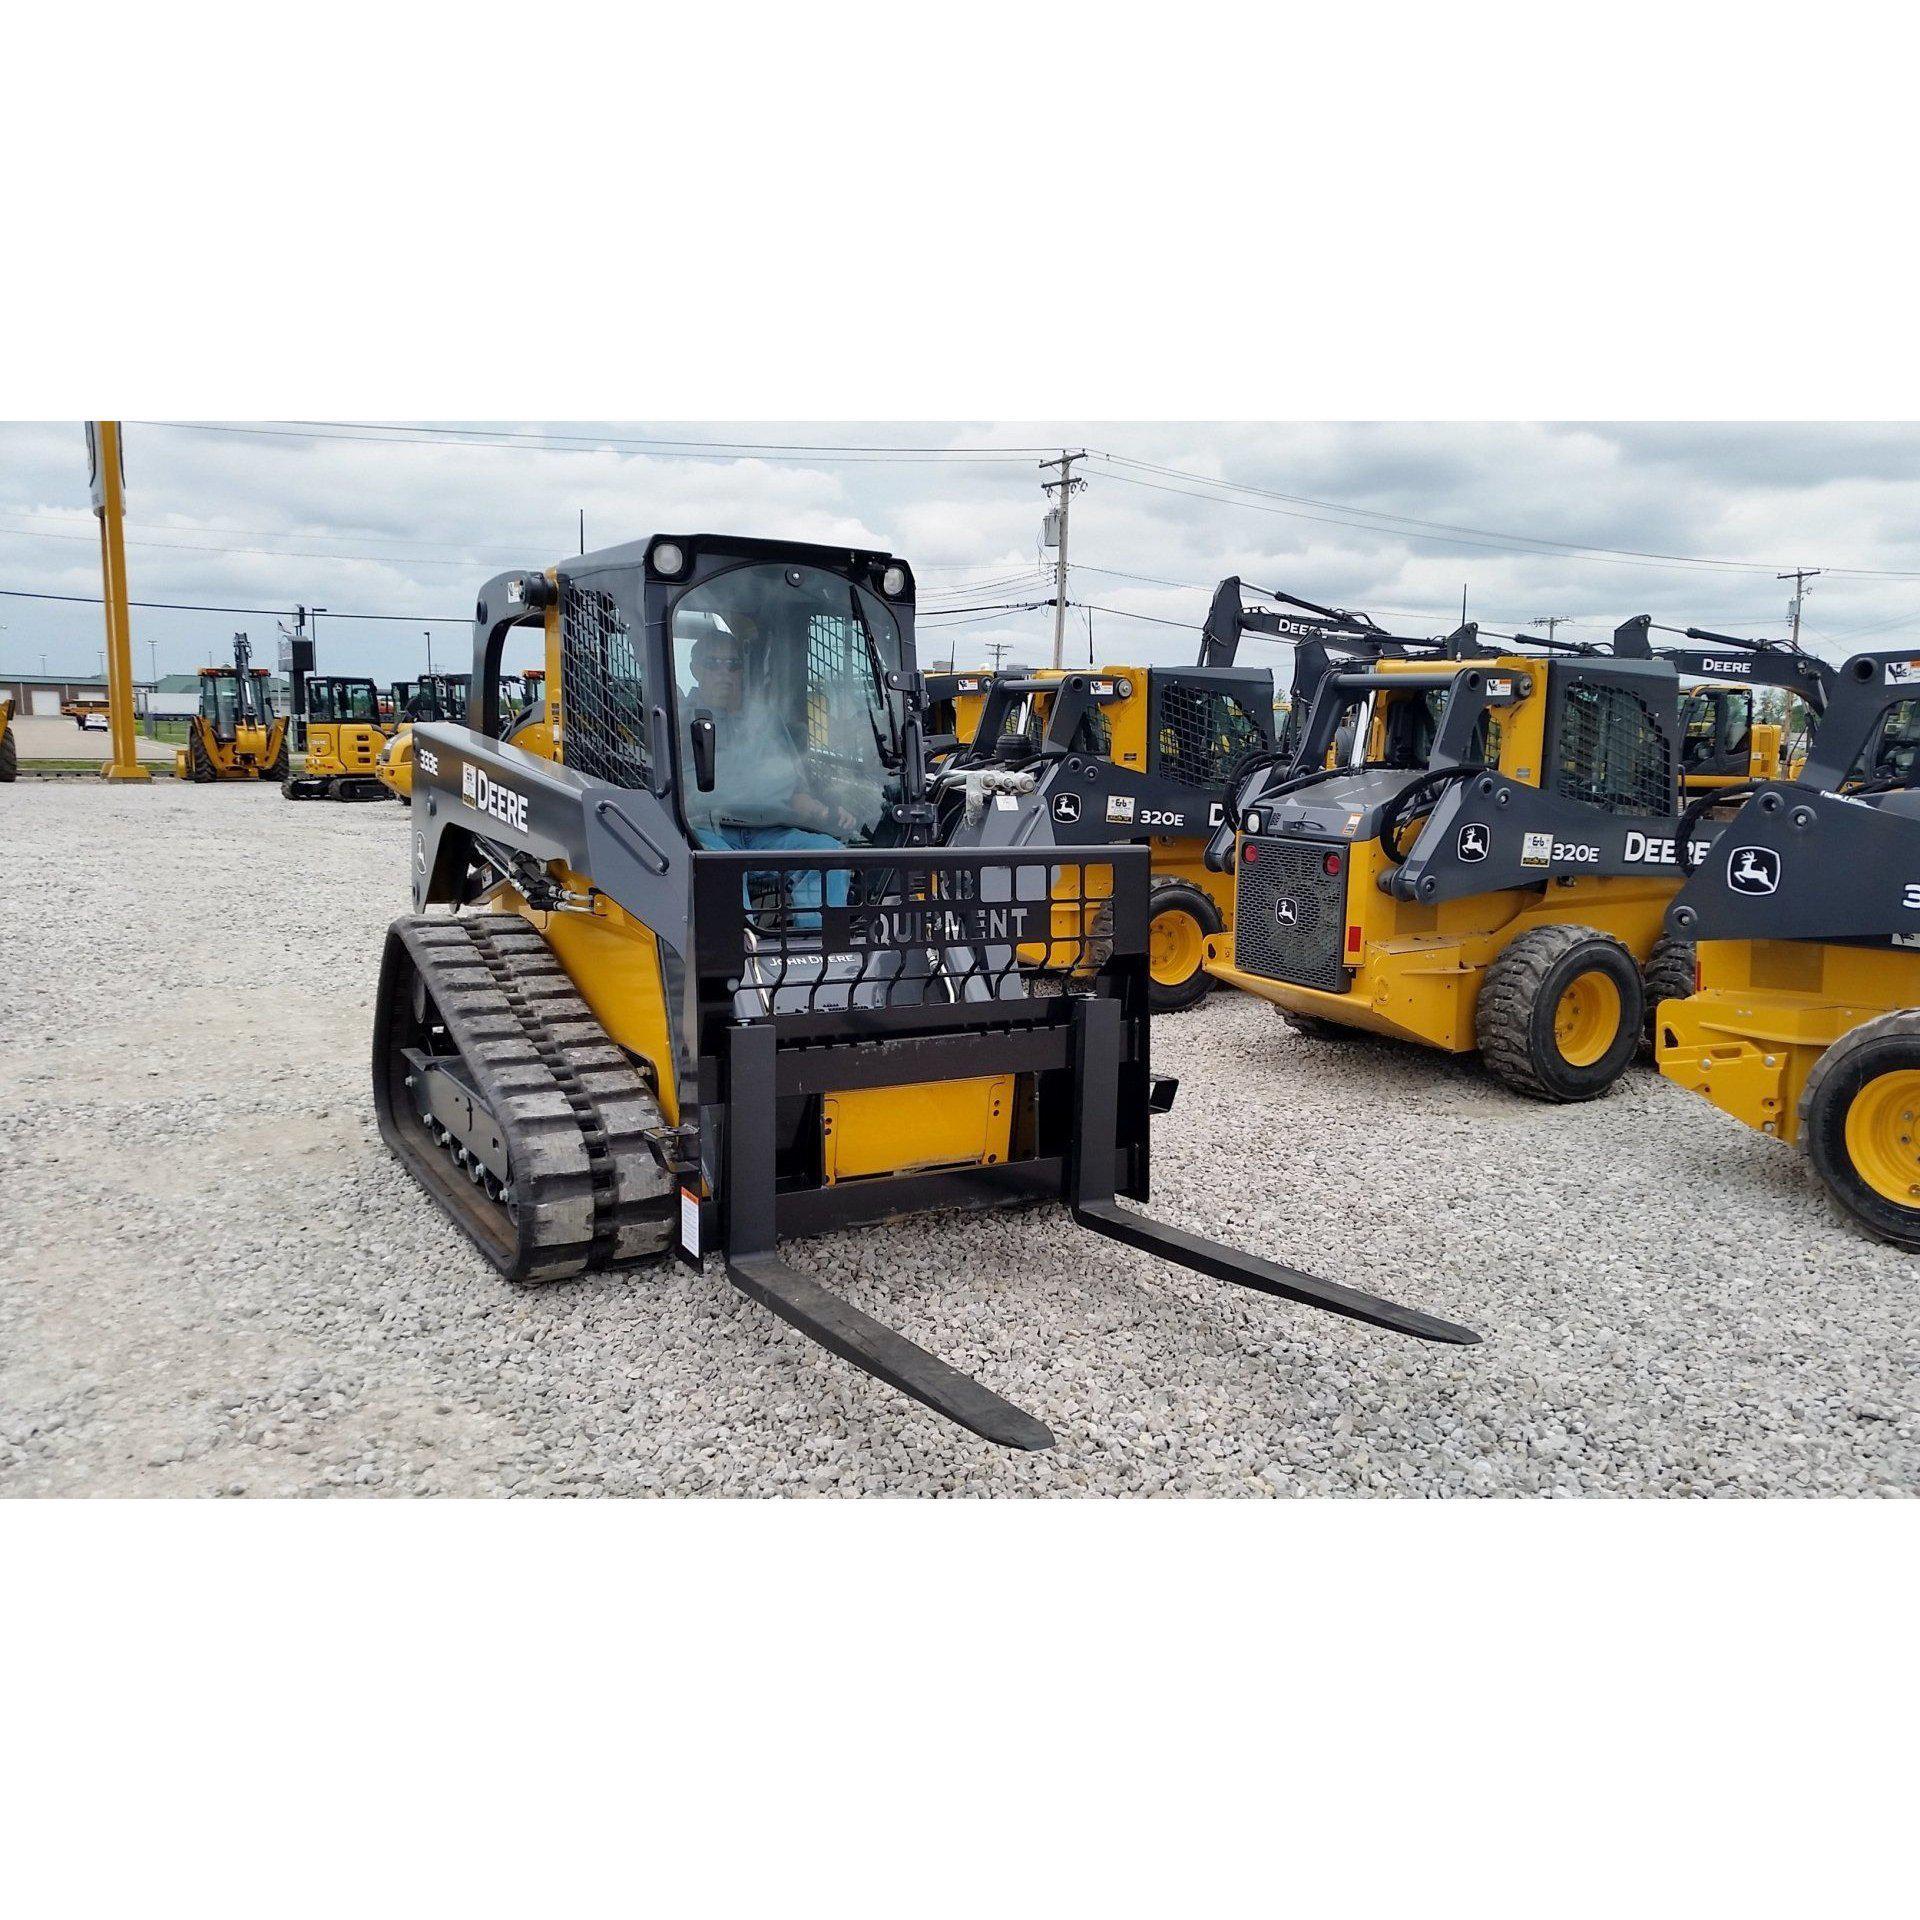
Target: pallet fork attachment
[
  {"x": 755, "y": 1267},
  {"x": 757, "y": 1270}
]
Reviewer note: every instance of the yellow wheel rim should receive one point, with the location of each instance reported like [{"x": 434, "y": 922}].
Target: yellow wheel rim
[
  {"x": 1883, "y": 1135},
  {"x": 1174, "y": 946},
  {"x": 1587, "y": 1020}
]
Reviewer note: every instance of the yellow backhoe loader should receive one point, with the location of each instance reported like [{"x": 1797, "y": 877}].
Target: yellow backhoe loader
[{"x": 236, "y": 735}]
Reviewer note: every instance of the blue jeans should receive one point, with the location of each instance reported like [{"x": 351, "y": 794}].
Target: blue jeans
[{"x": 806, "y": 886}]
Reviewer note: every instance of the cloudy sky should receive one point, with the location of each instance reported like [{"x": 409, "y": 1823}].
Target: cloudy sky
[{"x": 1593, "y": 523}]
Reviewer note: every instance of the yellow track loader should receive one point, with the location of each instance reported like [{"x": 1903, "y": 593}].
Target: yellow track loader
[
  {"x": 1472, "y": 851},
  {"x": 688, "y": 970},
  {"x": 1806, "y": 913},
  {"x": 236, "y": 735},
  {"x": 344, "y": 741}
]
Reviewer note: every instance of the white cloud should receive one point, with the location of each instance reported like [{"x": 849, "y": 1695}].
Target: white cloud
[{"x": 414, "y": 529}]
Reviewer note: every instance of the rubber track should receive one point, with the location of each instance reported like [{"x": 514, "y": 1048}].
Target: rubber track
[
  {"x": 573, "y": 1108},
  {"x": 1508, "y": 995}
]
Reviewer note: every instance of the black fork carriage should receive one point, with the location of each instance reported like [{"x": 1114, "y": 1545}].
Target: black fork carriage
[{"x": 823, "y": 974}]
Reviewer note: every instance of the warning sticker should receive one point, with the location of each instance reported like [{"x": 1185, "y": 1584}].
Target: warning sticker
[
  {"x": 690, "y": 1221},
  {"x": 1119, "y": 808}
]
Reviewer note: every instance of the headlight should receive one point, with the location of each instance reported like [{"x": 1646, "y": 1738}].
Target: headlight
[
  {"x": 893, "y": 583},
  {"x": 668, "y": 559}
]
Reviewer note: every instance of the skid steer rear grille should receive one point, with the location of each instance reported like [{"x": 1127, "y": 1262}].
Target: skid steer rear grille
[{"x": 1290, "y": 913}]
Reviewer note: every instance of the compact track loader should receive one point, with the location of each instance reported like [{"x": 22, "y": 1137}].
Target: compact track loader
[
  {"x": 344, "y": 742},
  {"x": 1806, "y": 913},
  {"x": 1111, "y": 756},
  {"x": 1485, "y": 867},
  {"x": 703, "y": 980},
  {"x": 9, "y": 746},
  {"x": 236, "y": 735}
]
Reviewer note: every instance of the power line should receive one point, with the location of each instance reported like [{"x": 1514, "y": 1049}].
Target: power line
[
  {"x": 184, "y": 606},
  {"x": 1335, "y": 513},
  {"x": 262, "y": 553},
  {"x": 512, "y": 441}
]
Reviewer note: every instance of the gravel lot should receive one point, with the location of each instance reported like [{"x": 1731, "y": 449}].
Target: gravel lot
[{"x": 216, "y": 1280}]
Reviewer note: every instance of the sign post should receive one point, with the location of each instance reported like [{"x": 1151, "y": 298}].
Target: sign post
[{"x": 107, "y": 476}]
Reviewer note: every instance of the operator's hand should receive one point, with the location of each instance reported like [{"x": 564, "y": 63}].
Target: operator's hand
[{"x": 842, "y": 822}]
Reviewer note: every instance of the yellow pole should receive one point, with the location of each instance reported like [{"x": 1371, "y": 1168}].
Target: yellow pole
[{"x": 110, "y": 505}]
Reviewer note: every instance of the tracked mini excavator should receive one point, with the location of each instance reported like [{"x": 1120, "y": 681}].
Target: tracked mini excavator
[
  {"x": 1112, "y": 756},
  {"x": 1806, "y": 913},
  {"x": 236, "y": 735},
  {"x": 345, "y": 739},
  {"x": 693, "y": 975},
  {"x": 1473, "y": 851}
]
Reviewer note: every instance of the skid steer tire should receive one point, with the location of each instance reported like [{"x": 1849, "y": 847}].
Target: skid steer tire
[
  {"x": 1560, "y": 1013},
  {"x": 1860, "y": 1125},
  {"x": 1668, "y": 975},
  {"x": 1180, "y": 917},
  {"x": 9, "y": 757}
]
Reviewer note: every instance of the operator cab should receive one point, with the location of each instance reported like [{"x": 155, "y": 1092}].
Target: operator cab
[
  {"x": 331, "y": 698},
  {"x": 789, "y": 689}
]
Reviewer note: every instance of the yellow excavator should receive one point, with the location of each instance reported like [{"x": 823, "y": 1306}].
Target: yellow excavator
[
  {"x": 236, "y": 735},
  {"x": 687, "y": 969},
  {"x": 344, "y": 741}
]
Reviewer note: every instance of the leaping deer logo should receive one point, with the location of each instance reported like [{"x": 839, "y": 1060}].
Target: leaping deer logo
[
  {"x": 1472, "y": 843},
  {"x": 1753, "y": 870}
]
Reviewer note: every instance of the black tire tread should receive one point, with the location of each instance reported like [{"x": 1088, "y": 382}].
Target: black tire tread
[
  {"x": 1668, "y": 975},
  {"x": 1903, "y": 1024},
  {"x": 1503, "y": 1016}
]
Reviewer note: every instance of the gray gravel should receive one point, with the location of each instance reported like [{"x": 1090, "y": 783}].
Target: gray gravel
[{"x": 216, "y": 1281}]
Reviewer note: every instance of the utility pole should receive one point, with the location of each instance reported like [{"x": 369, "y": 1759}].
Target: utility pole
[
  {"x": 1066, "y": 487},
  {"x": 1799, "y": 576},
  {"x": 998, "y": 648},
  {"x": 1551, "y": 621}
]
